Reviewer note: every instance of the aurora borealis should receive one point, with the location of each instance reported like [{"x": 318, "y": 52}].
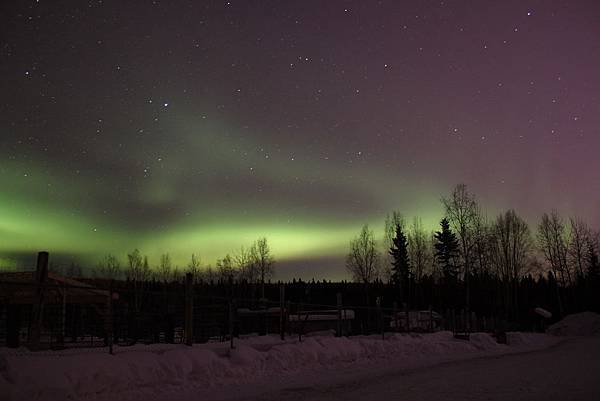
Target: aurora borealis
[{"x": 197, "y": 127}]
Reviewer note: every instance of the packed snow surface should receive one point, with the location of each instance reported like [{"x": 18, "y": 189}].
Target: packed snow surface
[
  {"x": 568, "y": 371},
  {"x": 579, "y": 324},
  {"x": 162, "y": 371}
]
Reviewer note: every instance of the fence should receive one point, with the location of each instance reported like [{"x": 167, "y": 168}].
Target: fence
[{"x": 43, "y": 310}]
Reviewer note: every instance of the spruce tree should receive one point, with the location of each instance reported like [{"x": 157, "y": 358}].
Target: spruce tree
[
  {"x": 400, "y": 262},
  {"x": 446, "y": 247}
]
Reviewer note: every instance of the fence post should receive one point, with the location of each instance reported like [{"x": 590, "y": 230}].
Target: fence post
[
  {"x": 447, "y": 319},
  {"x": 288, "y": 309},
  {"x": 282, "y": 311},
  {"x": 380, "y": 317},
  {"x": 264, "y": 306},
  {"x": 406, "y": 312},
  {"x": 395, "y": 312},
  {"x": 41, "y": 276},
  {"x": 189, "y": 308},
  {"x": 231, "y": 312},
  {"x": 110, "y": 332},
  {"x": 339, "y": 314},
  {"x": 430, "y": 319},
  {"x": 300, "y": 325},
  {"x": 454, "y": 320},
  {"x": 63, "y": 317}
]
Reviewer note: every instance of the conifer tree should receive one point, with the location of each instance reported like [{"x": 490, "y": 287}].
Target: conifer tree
[
  {"x": 400, "y": 262},
  {"x": 446, "y": 247}
]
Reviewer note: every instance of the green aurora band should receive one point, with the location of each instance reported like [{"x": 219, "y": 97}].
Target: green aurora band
[
  {"x": 199, "y": 129},
  {"x": 179, "y": 208}
]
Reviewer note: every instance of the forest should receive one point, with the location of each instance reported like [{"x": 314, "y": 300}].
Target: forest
[{"x": 497, "y": 267}]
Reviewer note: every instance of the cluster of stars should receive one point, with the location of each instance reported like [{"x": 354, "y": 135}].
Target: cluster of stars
[{"x": 290, "y": 107}]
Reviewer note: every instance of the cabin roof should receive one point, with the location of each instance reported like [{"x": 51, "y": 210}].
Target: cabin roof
[{"x": 21, "y": 288}]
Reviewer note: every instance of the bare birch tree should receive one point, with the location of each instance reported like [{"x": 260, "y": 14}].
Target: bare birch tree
[
  {"x": 138, "y": 272},
  {"x": 164, "y": 273},
  {"x": 510, "y": 245},
  {"x": 462, "y": 212},
  {"x": 208, "y": 274},
  {"x": 363, "y": 259},
  {"x": 110, "y": 267},
  {"x": 552, "y": 240},
  {"x": 245, "y": 263},
  {"x": 481, "y": 253},
  {"x": 579, "y": 240},
  {"x": 264, "y": 261},
  {"x": 193, "y": 267},
  {"x": 419, "y": 248},
  {"x": 225, "y": 269}
]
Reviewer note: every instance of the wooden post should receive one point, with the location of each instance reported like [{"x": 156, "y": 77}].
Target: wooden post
[
  {"x": 110, "y": 332},
  {"x": 339, "y": 314},
  {"x": 299, "y": 322},
  {"x": 63, "y": 317},
  {"x": 454, "y": 321},
  {"x": 41, "y": 277},
  {"x": 395, "y": 312},
  {"x": 380, "y": 317},
  {"x": 231, "y": 312},
  {"x": 266, "y": 316},
  {"x": 430, "y": 319},
  {"x": 406, "y": 312},
  {"x": 288, "y": 308},
  {"x": 189, "y": 309},
  {"x": 282, "y": 311}
]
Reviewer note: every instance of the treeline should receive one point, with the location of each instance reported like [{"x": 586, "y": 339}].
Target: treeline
[
  {"x": 470, "y": 261},
  {"x": 469, "y": 249},
  {"x": 253, "y": 264}
]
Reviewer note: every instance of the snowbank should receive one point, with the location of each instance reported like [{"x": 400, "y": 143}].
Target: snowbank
[
  {"x": 579, "y": 324},
  {"x": 144, "y": 372}
]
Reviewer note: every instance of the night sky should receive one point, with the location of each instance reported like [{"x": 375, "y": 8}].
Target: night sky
[{"x": 199, "y": 126}]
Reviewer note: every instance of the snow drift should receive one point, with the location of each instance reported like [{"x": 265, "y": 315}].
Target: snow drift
[
  {"x": 579, "y": 324},
  {"x": 146, "y": 372}
]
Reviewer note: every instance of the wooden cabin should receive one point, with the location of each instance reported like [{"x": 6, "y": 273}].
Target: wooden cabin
[{"x": 56, "y": 303}]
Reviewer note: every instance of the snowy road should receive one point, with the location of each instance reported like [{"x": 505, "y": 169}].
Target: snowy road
[{"x": 568, "y": 371}]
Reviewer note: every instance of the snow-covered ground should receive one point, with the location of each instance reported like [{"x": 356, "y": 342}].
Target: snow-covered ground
[
  {"x": 567, "y": 371},
  {"x": 578, "y": 324},
  {"x": 213, "y": 371}
]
